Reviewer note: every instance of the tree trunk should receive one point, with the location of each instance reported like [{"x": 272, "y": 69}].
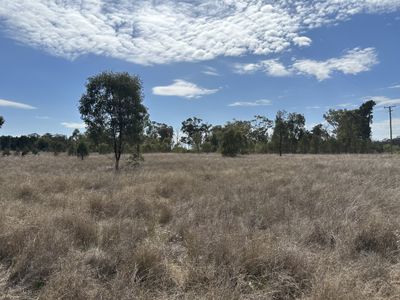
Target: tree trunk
[
  {"x": 138, "y": 150},
  {"x": 116, "y": 163}
]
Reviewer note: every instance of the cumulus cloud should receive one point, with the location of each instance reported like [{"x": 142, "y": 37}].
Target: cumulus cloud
[
  {"x": 260, "y": 102},
  {"x": 182, "y": 88},
  {"x": 302, "y": 41},
  {"x": 353, "y": 62},
  {"x": 271, "y": 67},
  {"x": 13, "y": 104},
  {"x": 382, "y": 100},
  {"x": 73, "y": 125},
  {"x": 156, "y": 32}
]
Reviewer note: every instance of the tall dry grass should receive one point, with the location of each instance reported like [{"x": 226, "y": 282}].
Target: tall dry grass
[{"x": 200, "y": 227}]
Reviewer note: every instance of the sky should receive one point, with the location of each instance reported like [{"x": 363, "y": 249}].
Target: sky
[{"x": 218, "y": 60}]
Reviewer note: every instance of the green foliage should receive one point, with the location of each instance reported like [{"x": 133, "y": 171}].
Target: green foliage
[
  {"x": 179, "y": 149},
  {"x": 158, "y": 137},
  {"x": 232, "y": 140},
  {"x": 57, "y": 147},
  {"x": 104, "y": 148},
  {"x": 195, "y": 131},
  {"x": 82, "y": 150},
  {"x": 1, "y": 121},
  {"x": 280, "y": 135},
  {"x": 352, "y": 128},
  {"x": 71, "y": 149},
  {"x": 24, "y": 152},
  {"x": 6, "y": 152},
  {"x": 113, "y": 111}
]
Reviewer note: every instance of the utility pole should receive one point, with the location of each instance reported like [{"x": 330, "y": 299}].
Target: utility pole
[{"x": 390, "y": 109}]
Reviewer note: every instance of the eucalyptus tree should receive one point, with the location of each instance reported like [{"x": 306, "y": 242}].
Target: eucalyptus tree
[{"x": 112, "y": 108}]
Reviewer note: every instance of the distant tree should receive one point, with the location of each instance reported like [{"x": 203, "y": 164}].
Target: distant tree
[
  {"x": 112, "y": 109},
  {"x": 215, "y": 137},
  {"x": 195, "y": 132},
  {"x": 232, "y": 141},
  {"x": 82, "y": 150},
  {"x": 352, "y": 128},
  {"x": 159, "y": 137},
  {"x": 280, "y": 134},
  {"x": 295, "y": 130},
  {"x": 1, "y": 121},
  {"x": 104, "y": 148},
  {"x": 318, "y": 136},
  {"x": 43, "y": 144},
  {"x": 244, "y": 131},
  {"x": 71, "y": 150},
  {"x": 259, "y": 133},
  {"x": 57, "y": 147}
]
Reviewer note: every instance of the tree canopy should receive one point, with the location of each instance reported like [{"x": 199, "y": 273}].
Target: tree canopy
[{"x": 113, "y": 110}]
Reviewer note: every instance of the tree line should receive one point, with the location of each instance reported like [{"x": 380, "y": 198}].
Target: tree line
[{"x": 117, "y": 122}]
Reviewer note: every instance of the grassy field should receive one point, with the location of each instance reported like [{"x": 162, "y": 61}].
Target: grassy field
[{"x": 183, "y": 226}]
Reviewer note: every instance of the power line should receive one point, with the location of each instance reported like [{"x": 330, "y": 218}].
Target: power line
[{"x": 390, "y": 109}]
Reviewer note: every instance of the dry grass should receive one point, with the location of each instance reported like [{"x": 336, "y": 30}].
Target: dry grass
[{"x": 200, "y": 227}]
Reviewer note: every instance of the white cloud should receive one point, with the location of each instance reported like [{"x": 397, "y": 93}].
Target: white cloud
[
  {"x": 380, "y": 129},
  {"x": 73, "y": 125},
  {"x": 271, "y": 67},
  {"x": 43, "y": 117},
  {"x": 13, "y": 104},
  {"x": 353, "y": 62},
  {"x": 210, "y": 71},
  {"x": 396, "y": 86},
  {"x": 382, "y": 100},
  {"x": 182, "y": 88},
  {"x": 260, "y": 102},
  {"x": 302, "y": 41},
  {"x": 155, "y": 32},
  {"x": 346, "y": 105}
]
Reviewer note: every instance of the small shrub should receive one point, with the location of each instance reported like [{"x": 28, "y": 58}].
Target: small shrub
[
  {"x": 71, "y": 150},
  {"x": 378, "y": 238},
  {"x": 6, "y": 152},
  {"x": 82, "y": 150}
]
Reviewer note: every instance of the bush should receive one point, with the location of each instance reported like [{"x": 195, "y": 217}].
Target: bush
[
  {"x": 104, "y": 148},
  {"x": 6, "y": 152},
  {"x": 71, "y": 150},
  {"x": 82, "y": 150},
  {"x": 231, "y": 142}
]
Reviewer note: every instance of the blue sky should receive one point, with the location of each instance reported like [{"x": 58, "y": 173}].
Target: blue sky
[{"x": 217, "y": 60}]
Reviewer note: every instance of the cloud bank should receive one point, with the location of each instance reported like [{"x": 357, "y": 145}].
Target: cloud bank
[
  {"x": 158, "y": 32},
  {"x": 352, "y": 62}
]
